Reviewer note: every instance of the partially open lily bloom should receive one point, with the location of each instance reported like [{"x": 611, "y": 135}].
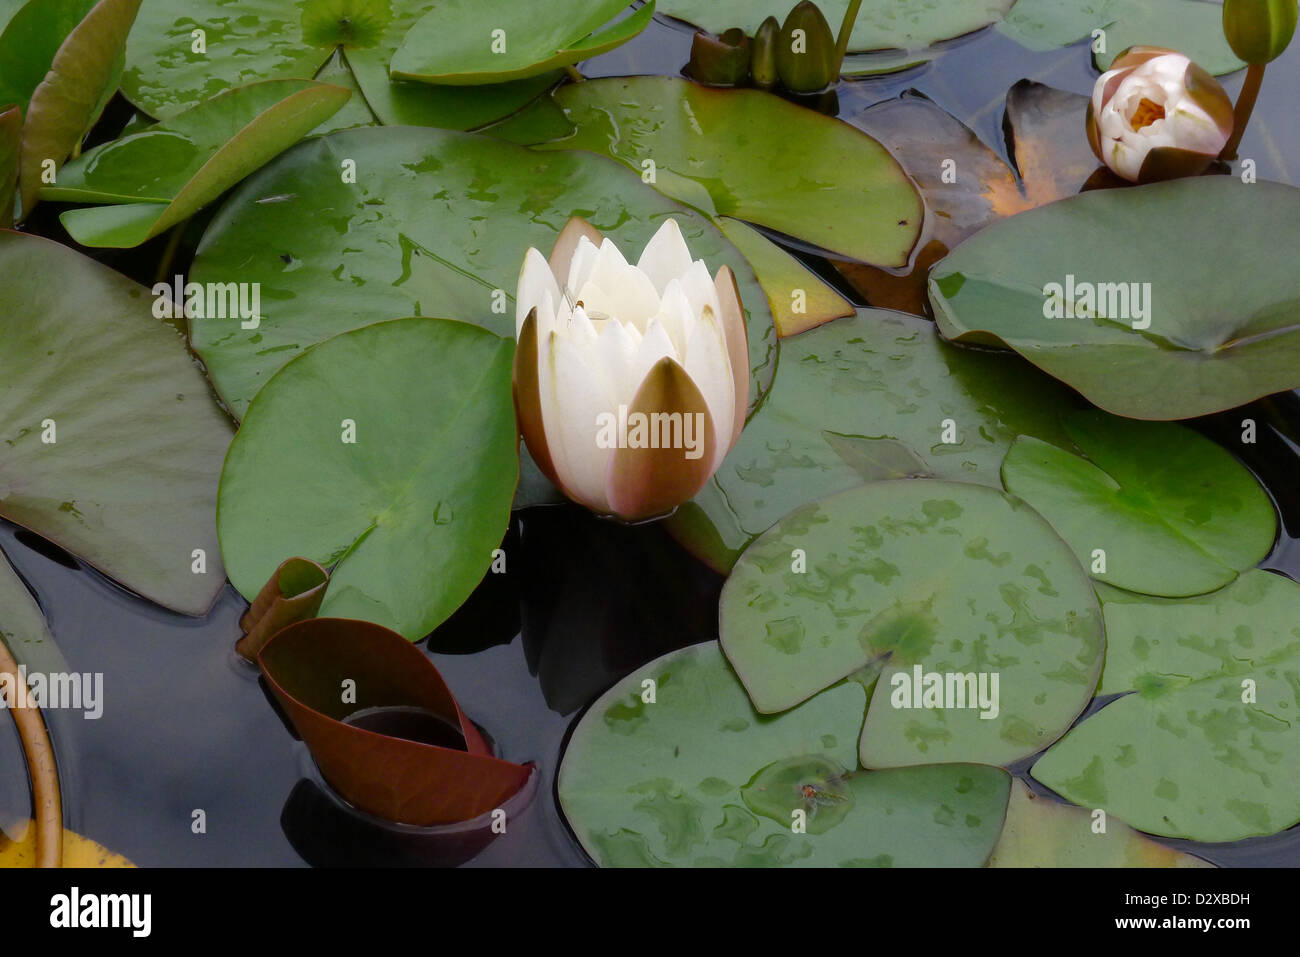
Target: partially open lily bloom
[
  {"x": 631, "y": 382},
  {"x": 1157, "y": 115}
]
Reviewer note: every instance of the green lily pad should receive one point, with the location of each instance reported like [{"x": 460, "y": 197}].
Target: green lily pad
[
  {"x": 800, "y": 300},
  {"x": 167, "y": 172},
  {"x": 295, "y": 39},
  {"x": 1150, "y": 337},
  {"x": 436, "y": 223},
  {"x": 855, "y": 390},
  {"x": 942, "y": 581},
  {"x": 129, "y": 480},
  {"x": 1174, "y": 513},
  {"x": 1040, "y": 832},
  {"x": 727, "y": 152},
  {"x": 468, "y": 42},
  {"x": 23, "y": 629},
  {"x": 1207, "y": 743},
  {"x": 32, "y": 33},
  {"x": 697, "y": 778},
  {"x": 881, "y": 24},
  {"x": 410, "y": 509},
  {"x": 1193, "y": 27}
]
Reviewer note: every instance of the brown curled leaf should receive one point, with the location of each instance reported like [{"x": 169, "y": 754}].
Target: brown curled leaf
[{"x": 293, "y": 593}]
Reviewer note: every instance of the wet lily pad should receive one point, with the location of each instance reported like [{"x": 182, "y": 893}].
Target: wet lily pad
[
  {"x": 881, "y": 24},
  {"x": 1194, "y": 27},
  {"x": 1123, "y": 311},
  {"x": 468, "y": 42},
  {"x": 697, "y": 778},
  {"x": 1206, "y": 745},
  {"x": 879, "y": 387},
  {"x": 1040, "y": 832},
  {"x": 1174, "y": 513},
  {"x": 726, "y": 152},
  {"x": 284, "y": 39},
  {"x": 436, "y": 223},
  {"x": 23, "y": 629},
  {"x": 800, "y": 300},
  {"x": 167, "y": 172},
  {"x": 942, "y": 581},
  {"x": 387, "y": 454},
  {"x": 111, "y": 441}
]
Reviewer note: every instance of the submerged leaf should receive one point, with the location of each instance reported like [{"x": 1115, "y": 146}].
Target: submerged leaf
[{"x": 79, "y": 852}]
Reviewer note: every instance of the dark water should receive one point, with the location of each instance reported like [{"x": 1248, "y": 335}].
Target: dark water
[{"x": 187, "y": 725}]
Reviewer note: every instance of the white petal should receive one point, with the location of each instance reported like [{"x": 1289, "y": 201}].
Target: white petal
[
  {"x": 666, "y": 256},
  {"x": 700, "y": 289},
  {"x": 709, "y": 366},
  {"x": 676, "y": 315},
  {"x": 584, "y": 258},
  {"x": 572, "y": 402},
  {"x": 535, "y": 281},
  {"x": 653, "y": 346}
]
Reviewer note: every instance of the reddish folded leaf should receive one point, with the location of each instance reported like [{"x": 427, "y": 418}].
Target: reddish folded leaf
[{"x": 325, "y": 671}]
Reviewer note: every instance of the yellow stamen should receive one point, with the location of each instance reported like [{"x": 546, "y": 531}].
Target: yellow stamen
[{"x": 1146, "y": 114}]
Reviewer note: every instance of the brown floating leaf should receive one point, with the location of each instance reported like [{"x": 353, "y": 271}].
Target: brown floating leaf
[
  {"x": 293, "y": 593},
  {"x": 966, "y": 186},
  {"x": 341, "y": 681}
]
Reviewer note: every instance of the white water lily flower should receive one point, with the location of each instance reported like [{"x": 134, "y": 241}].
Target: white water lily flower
[
  {"x": 1157, "y": 115},
  {"x": 631, "y": 382}
]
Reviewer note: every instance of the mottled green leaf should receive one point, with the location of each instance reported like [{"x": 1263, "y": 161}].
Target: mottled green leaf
[
  {"x": 435, "y": 223},
  {"x": 387, "y": 453},
  {"x": 174, "y": 168},
  {"x": 844, "y": 387},
  {"x": 129, "y": 481},
  {"x": 1174, "y": 513},
  {"x": 1206, "y": 744},
  {"x": 1167, "y": 324},
  {"x": 732, "y": 146},
  {"x": 470, "y": 42},
  {"x": 1040, "y": 832},
  {"x": 943, "y": 581},
  {"x": 697, "y": 778}
]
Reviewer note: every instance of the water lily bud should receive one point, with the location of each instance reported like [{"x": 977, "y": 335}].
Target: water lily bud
[
  {"x": 721, "y": 60},
  {"x": 631, "y": 382},
  {"x": 762, "y": 62},
  {"x": 805, "y": 51},
  {"x": 1259, "y": 30},
  {"x": 1157, "y": 115}
]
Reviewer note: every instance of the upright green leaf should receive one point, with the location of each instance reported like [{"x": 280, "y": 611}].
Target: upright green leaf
[
  {"x": 166, "y": 173},
  {"x": 73, "y": 91}
]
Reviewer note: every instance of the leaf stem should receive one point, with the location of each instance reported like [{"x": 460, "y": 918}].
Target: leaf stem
[
  {"x": 574, "y": 75},
  {"x": 169, "y": 252},
  {"x": 47, "y": 802},
  {"x": 846, "y": 29},
  {"x": 1242, "y": 111}
]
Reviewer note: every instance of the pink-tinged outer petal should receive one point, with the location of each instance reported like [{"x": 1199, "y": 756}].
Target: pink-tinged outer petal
[
  {"x": 1170, "y": 162},
  {"x": 528, "y": 400},
  {"x": 1210, "y": 96},
  {"x": 733, "y": 327},
  {"x": 1135, "y": 56},
  {"x": 1094, "y": 136},
  {"x": 646, "y": 483},
  {"x": 567, "y": 243}
]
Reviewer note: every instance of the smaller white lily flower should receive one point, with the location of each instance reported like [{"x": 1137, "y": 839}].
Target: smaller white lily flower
[
  {"x": 631, "y": 382},
  {"x": 1157, "y": 115}
]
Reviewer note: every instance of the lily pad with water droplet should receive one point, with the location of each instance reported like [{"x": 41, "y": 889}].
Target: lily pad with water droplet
[
  {"x": 1139, "y": 310},
  {"x": 987, "y": 628},
  {"x": 698, "y": 778},
  {"x": 436, "y": 223},
  {"x": 1205, "y": 742},
  {"x": 1170, "y": 512},
  {"x": 870, "y": 396}
]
